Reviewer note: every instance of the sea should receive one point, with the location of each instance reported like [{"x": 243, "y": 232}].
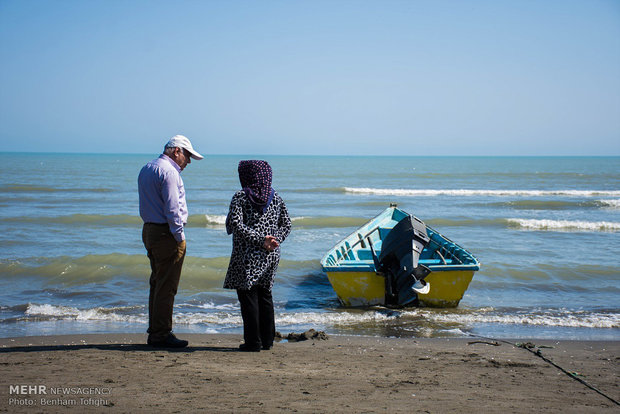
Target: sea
[{"x": 546, "y": 231}]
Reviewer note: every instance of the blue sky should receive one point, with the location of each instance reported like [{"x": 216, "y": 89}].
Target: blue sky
[{"x": 312, "y": 77}]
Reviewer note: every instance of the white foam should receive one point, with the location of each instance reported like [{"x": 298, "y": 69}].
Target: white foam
[
  {"x": 493, "y": 193},
  {"x": 287, "y": 318},
  {"x": 211, "y": 318},
  {"x": 566, "y": 319},
  {"x": 50, "y": 310},
  {"x": 565, "y": 225},
  {"x": 610, "y": 203},
  {"x": 569, "y": 319},
  {"x": 216, "y": 219},
  {"x": 220, "y": 220},
  {"x": 211, "y": 305},
  {"x": 95, "y": 314},
  {"x": 221, "y": 319},
  {"x": 333, "y": 318}
]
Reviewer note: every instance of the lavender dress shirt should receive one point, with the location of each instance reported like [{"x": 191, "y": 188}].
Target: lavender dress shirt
[{"x": 162, "y": 195}]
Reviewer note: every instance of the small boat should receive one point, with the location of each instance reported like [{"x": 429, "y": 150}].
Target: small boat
[{"x": 395, "y": 260}]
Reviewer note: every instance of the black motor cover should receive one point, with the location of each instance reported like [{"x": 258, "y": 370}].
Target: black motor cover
[{"x": 400, "y": 252}]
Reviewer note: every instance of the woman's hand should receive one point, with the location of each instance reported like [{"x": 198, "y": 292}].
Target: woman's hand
[{"x": 271, "y": 243}]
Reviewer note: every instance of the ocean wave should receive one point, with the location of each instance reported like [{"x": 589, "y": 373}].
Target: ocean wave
[
  {"x": 227, "y": 316},
  {"x": 554, "y": 204},
  {"x": 128, "y": 314},
  {"x": 491, "y": 193},
  {"x": 568, "y": 319},
  {"x": 215, "y": 219},
  {"x": 529, "y": 224},
  {"x": 218, "y": 221},
  {"x": 206, "y": 220},
  {"x": 136, "y": 314},
  {"x": 298, "y": 222},
  {"x": 573, "y": 319},
  {"x": 198, "y": 273},
  {"x": 37, "y": 312},
  {"x": 82, "y": 219},
  {"x": 17, "y": 188},
  {"x": 564, "y": 225},
  {"x": 615, "y": 204},
  {"x": 465, "y": 222},
  {"x": 211, "y": 306},
  {"x": 194, "y": 220},
  {"x": 80, "y": 270},
  {"x": 313, "y": 190},
  {"x": 334, "y": 318},
  {"x": 87, "y": 269},
  {"x": 542, "y": 276}
]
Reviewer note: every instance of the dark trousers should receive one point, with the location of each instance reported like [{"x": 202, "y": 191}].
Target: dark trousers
[
  {"x": 161, "y": 249},
  {"x": 259, "y": 326}
]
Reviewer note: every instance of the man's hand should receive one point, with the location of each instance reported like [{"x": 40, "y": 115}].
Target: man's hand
[
  {"x": 181, "y": 247},
  {"x": 271, "y": 243}
]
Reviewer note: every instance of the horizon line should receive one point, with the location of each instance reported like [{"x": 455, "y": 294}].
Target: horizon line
[{"x": 317, "y": 155}]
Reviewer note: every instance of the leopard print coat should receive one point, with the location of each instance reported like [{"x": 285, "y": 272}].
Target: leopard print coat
[{"x": 250, "y": 263}]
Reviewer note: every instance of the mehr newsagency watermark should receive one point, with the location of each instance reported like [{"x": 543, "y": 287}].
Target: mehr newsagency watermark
[{"x": 43, "y": 396}]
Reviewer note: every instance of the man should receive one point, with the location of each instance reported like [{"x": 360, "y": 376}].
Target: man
[{"x": 164, "y": 211}]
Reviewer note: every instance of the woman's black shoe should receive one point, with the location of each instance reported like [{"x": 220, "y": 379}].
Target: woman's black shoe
[{"x": 246, "y": 348}]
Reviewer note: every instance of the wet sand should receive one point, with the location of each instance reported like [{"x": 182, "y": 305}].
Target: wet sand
[{"x": 342, "y": 374}]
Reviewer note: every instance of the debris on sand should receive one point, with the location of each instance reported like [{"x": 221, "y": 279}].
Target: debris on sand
[{"x": 297, "y": 337}]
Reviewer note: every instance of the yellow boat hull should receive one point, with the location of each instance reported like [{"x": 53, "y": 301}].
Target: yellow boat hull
[{"x": 368, "y": 288}]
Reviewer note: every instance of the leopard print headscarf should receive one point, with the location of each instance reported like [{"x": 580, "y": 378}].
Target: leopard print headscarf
[{"x": 255, "y": 177}]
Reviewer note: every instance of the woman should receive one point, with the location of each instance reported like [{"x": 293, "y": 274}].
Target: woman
[{"x": 259, "y": 222}]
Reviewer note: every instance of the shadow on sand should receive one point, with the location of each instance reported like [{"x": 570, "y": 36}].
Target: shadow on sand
[{"x": 114, "y": 347}]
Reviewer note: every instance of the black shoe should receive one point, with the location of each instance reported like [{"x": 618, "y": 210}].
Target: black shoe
[
  {"x": 267, "y": 347},
  {"x": 245, "y": 348},
  {"x": 170, "y": 342}
]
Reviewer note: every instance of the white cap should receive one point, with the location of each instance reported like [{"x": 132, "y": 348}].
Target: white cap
[{"x": 180, "y": 141}]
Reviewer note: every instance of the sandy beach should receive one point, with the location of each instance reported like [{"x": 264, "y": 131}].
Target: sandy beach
[{"x": 348, "y": 374}]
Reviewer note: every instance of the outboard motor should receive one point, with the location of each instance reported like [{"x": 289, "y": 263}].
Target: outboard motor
[{"x": 400, "y": 252}]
